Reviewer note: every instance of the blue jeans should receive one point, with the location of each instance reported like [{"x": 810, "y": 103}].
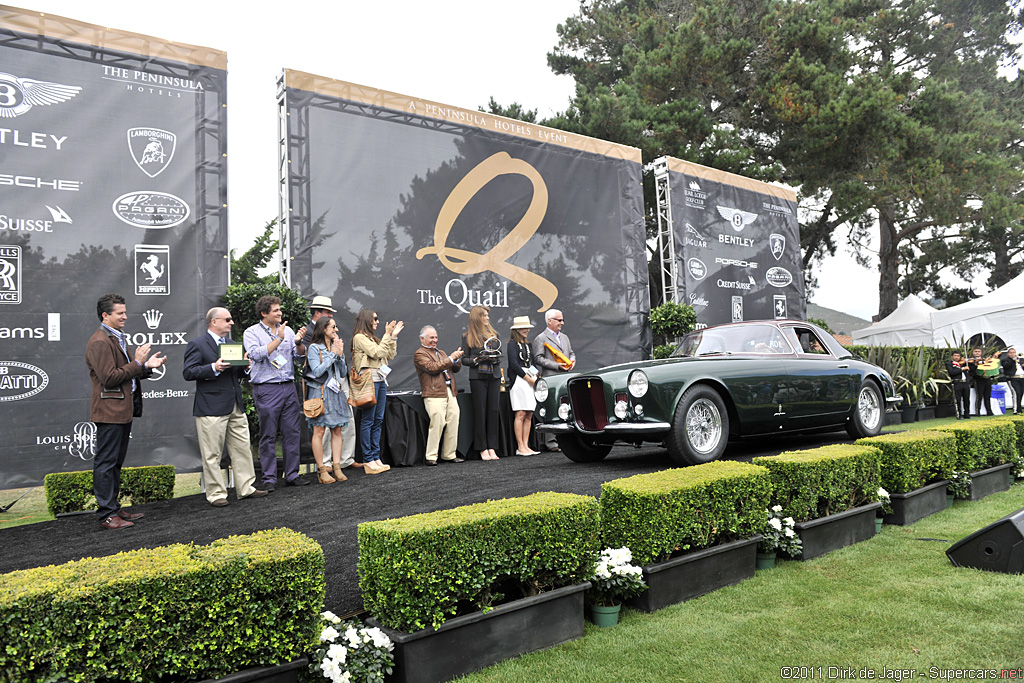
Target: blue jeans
[{"x": 371, "y": 419}]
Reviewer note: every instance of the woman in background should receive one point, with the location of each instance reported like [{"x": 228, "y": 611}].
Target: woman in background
[
  {"x": 520, "y": 366},
  {"x": 369, "y": 352},
  {"x": 483, "y": 358},
  {"x": 326, "y": 359}
]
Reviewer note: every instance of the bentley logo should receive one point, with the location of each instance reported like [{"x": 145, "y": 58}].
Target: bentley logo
[
  {"x": 738, "y": 219},
  {"x": 153, "y": 318},
  {"x": 496, "y": 260},
  {"x": 18, "y": 95},
  {"x": 152, "y": 149},
  {"x": 777, "y": 243}
]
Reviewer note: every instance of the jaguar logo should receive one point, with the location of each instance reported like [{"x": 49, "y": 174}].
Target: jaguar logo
[{"x": 496, "y": 260}]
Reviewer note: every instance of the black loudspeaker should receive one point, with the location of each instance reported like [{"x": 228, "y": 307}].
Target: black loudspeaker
[{"x": 999, "y": 547}]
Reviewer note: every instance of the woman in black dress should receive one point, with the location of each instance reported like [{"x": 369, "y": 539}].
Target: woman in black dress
[{"x": 482, "y": 355}]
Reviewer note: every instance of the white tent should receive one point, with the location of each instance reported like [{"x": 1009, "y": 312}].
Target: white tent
[
  {"x": 1000, "y": 312},
  {"x": 909, "y": 325}
]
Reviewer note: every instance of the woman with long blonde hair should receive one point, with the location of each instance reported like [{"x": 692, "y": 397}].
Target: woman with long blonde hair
[
  {"x": 370, "y": 352},
  {"x": 482, "y": 355}
]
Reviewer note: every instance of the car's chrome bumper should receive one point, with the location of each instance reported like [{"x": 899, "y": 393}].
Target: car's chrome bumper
[{"x": 613, "y": 428}]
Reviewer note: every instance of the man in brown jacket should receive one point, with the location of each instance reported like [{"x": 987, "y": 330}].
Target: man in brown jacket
[
  {"x": 116, "y": 398},
  {"x": 435, "y": 370}
]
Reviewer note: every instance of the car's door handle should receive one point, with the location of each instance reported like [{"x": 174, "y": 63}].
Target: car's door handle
[{"x": 844, "y": 366}]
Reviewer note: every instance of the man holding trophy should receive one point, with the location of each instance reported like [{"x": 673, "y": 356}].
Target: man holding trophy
[{"x": 553, "y": 352}]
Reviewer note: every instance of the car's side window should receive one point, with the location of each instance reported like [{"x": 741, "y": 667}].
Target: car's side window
[{"x": 807, "y": 341}]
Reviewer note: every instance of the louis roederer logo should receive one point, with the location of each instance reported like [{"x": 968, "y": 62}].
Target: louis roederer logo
[
  {"x": 18, "y": 95},
  {"x": 737, "y": 219},
  {"x": 152, "y": 149}
]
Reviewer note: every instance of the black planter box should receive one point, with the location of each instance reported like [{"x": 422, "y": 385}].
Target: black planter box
[
  {"x": 909, "y": 414},
  {"x": 945, "y": 410},
  {"x": 694, "y": 574},
  {"x": 926, "y": 413},
  {"x": 825, "y": 534},
  {"x": 473, "y": 641},
  {"x": 894, "y": 417},
  {"x": 281, "y": 673},
  {"x": 993, "y": 480},
  {"x": 909, "y": 507}
]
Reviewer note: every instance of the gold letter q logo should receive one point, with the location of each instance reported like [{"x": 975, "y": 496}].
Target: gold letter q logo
[{"x": 495, "y": 260}]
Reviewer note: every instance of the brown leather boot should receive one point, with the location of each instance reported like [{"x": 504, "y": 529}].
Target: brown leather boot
[
  {"x": 325, "y": 475},
  {"x": 338, "y": 474}
]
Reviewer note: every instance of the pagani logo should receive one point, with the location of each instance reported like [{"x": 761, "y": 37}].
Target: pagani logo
[
  {"x": 737, "y": 219},
  {"x": 777, "y": 243},
  {"x": 20, "y": 380},
  {"x": 496, "y": 260},
  {"x": 696, "y": 268},
  {"x": 152, "y": 149},
  {"x": 151, "y": 209},
  {"x": 778, "y": 277},
  {"x": 781, "y": 311},
  {"x": 18, "y": 95}
]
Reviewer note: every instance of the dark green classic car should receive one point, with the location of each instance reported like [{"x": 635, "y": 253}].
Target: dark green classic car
[{"x": 741, "y": 380}]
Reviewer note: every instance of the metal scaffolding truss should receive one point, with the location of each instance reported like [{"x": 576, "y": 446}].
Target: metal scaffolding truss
[
  {"x": 672, "y": 288},
  {"x": 293, "y": 200}
]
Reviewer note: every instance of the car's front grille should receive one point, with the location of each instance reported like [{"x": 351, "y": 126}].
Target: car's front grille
[{"x": 586, "y": 398}]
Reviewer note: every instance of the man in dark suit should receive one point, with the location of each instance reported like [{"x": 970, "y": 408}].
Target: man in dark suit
[
  {"x": 543, "y": 343},
  {"x": 219, "y": 410},
  {"x": 116, "y": 398}
]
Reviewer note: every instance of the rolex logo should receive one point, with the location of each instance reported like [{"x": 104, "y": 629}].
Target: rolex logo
[{"x": 153, "y": 318}]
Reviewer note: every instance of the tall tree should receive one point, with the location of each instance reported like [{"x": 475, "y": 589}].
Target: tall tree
[{"x": 888, "y": 116}]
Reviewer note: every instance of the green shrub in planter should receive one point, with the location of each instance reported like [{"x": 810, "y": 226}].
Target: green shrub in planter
[
  {"x": 178, "y": 612},
  {"x": 685, "y": 508},
  {"x": 981, "y": 444},
  {"x": 823, "y": 481},
  {"x": 72, "y": 491},
  {"x": 418, "y": 571},
  {"x": 913, "y": 459}
]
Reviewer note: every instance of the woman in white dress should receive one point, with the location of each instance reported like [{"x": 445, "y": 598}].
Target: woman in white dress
[{"x": 520, "y": 366}]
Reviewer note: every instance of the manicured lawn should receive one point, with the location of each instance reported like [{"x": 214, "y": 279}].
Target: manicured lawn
[{"x": 894, "y": 601}]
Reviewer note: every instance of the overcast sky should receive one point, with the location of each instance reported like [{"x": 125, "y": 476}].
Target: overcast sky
[{"x": 459, "y": 54}]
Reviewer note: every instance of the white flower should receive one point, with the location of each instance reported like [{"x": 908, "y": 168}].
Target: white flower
[
  {"x": 353, "y": 638},
  {"x": 883, "y": 494},
  {"x": 330, "y": 669},
  {"x": 337, "y": 653},
  {"x": 775, "y": 523},
  {"x": 790, "y": 533},
  {"x": 789, "y": 521},
  {"x": 379, "y": 638},
  {"x": 776, "y": 508},
  {"x": 328, "y": 635}
]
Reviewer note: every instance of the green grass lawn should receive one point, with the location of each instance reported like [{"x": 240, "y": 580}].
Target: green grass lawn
[{"x": 894, "y": 601}]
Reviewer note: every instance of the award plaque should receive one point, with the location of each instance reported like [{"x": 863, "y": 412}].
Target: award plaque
[{"x": 233, "y": 353}]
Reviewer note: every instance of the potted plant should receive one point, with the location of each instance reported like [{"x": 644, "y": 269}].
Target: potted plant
[
  {"x": 886, "y": 509},
  {"x": 615, "y": 579},
  {"x": 351, "y": 653},
  {"x": 779, "y": 534}
]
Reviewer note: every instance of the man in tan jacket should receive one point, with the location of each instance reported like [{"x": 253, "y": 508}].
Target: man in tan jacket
[
  {"x": 435, "y": 370},
  {"x": 116, "y": 398}
]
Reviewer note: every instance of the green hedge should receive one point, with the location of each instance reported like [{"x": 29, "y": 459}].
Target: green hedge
[
  {"x": 72, "y": 491},
  {"x": 178, "y": 612},
  {"x": 823, "y": 481},
  {"x": 1018, "y": 425},
  {"x": 982, "y": 443},
  {"x": 662, "y": 513},
  {"x": 415, "y": 571},
  {"x": 913, "y": 459}
]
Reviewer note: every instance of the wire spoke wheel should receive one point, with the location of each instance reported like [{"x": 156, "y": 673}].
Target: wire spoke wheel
[{"x": 703, "y": 425}]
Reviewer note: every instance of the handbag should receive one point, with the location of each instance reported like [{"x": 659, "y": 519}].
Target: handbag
[
  {"x": 361, "y": 390},
  {"x": 312, "y": 407}
]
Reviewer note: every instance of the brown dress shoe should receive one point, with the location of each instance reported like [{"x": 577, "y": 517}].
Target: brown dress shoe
[
  {"x": 130, "y": 516},
  {"x": 115, "y": 522},
  {"x": 256, "y": 493},
  {"x": 219, "y": 503}
]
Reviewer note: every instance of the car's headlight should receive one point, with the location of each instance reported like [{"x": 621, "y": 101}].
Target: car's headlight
[
  {"x": 638, "y": 383},
  {"x": 540, "y": 390},
  {"x": 563, "y": 411},
  {"x": 621, "y": 409}
]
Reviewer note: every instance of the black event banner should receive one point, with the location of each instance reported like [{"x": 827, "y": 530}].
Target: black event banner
[
  {"x": 112, "y": 179},
  {"x": 420, "y": 211},
  {"x": 738, "y": 243}
]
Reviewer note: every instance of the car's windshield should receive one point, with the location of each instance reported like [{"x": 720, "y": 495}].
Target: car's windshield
[{"x": 746, "y": 339}]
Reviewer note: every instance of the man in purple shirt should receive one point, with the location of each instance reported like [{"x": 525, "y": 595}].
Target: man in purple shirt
[{"x": 272, "y": 348}]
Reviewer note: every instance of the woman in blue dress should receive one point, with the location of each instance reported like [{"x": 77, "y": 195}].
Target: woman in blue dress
[{"x": 326, "y": 367}]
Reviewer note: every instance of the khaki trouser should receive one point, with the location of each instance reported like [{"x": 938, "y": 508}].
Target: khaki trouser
[
  {"x": 214, "y": 432},
  {"x": 444, "y": 417}
]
